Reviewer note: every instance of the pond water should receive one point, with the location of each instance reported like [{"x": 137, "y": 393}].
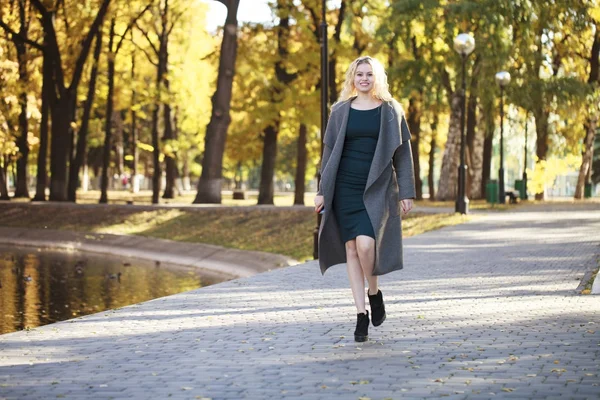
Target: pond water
[{"x": 39, "y": 286}]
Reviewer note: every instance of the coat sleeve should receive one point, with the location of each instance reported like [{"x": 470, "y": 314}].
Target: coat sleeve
[
  {"x": 328, "y": 143},
  {"x": 403, "y": 164},
  {"x": 326, "y": 154}
]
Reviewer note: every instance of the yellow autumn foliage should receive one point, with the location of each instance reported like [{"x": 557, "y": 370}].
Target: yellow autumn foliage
[{"x": 546, "y": 171}]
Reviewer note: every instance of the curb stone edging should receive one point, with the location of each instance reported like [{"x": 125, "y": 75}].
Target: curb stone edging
[{"x": 214, "y": 260}]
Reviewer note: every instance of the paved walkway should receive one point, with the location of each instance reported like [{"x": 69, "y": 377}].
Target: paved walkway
[{"x": 485, "y": 309}]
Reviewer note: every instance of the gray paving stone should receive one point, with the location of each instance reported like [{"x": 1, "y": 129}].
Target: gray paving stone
[{"x": 481, "y": 307}]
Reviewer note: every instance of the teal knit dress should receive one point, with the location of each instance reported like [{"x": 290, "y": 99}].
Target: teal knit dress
[{"x": 362, "y": 133}]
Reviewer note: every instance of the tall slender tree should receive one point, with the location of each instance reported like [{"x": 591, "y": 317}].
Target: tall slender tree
[
  {"x": 591, "y": 125},
  {"x": 209, "y": 185},
  {"x": 283, "y": 78},
  {"x": 63, "y": 96},
  {"x": 81, "y": 146},
  {"x": 113, "y": 50},
  {"x": 21, "y": 189}
]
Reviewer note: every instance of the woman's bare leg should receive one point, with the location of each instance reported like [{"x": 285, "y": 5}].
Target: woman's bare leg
[
  {"x": 365, "y": 247},
  {"x": 356, "y": 276}
]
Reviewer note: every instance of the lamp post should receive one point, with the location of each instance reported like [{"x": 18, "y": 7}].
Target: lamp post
[
  {"x": 324, "y": 113},
  {"x": 464, "y": 44},
  {"x": 502, "y": 79}
]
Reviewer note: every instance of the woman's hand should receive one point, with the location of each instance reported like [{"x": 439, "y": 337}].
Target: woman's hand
[
  {"x": 319, "y": 203},
  {"x": 407, "y": 205}
]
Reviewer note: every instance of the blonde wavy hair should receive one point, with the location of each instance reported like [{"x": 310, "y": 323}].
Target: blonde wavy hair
[{"x": 381, "y": 89}]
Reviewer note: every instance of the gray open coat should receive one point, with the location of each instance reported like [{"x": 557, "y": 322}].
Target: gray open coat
[{"x": 391, "y": 179}]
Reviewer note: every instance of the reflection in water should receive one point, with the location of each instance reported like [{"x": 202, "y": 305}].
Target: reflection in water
[{"x": 40, "y": 287}]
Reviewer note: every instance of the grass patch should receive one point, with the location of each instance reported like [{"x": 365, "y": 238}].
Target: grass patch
[
  {"x": 417, "y": 223},
  {"x": 287, "y": 231},
  {"x": 473, "y": 205},
  {"x": 145, "y": 197}
]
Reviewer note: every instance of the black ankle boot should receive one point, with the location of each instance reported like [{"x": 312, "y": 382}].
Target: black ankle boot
[
  {"x": 361, "y": 334},
  {"x": 377, "y": 308}
]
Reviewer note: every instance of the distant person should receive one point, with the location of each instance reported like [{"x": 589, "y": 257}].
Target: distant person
[{"x": 367, "y": 179}]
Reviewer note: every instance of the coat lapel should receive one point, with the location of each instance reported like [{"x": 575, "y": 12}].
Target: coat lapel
[
  {"x": 330, "y": 172},
  {"x": 343, "y": 115},
  {"x": 387, "y": 143}
]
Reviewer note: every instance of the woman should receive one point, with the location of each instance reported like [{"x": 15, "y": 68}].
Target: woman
[{"x": 367, "y": 176}]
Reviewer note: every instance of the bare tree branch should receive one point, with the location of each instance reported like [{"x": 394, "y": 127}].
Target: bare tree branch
[
  {"x": 146, "y": 53},
  {"x": 87, "y": 43},
  {"x": 131, "y": 23},
  {"x": 314, "y": 18},
  {"x": 52, "y": 48},
  {"x": 209, "y": 55},
  {"x": 17, "y": 36},
  {"x": 64, "y": 10},
  {"x": 40, "y": 7},
  {"x": 147, "y": 38},
  {"x": 174, "y": 20}
]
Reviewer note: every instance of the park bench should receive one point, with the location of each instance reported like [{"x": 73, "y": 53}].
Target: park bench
[{"x": 513, "y": 196}]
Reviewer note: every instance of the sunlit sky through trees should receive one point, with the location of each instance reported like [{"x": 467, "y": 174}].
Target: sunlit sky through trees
[{"x": 249, "y": 11}]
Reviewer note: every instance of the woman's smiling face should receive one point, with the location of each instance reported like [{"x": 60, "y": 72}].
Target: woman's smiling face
[{"x": 364, "y": 78}]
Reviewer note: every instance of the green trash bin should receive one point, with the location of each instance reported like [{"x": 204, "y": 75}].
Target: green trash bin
[
  {"x": 491, "y": 191},
  {"x": 520, "y": 186},
  {"x": 587, "y": 191}
]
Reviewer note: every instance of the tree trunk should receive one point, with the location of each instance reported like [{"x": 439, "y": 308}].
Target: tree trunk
[
  {"x": 284, "y": 79},
  {"x": 185, "y": 173},
  {"x": 3, "y": 184},
  {"x": 488, "y": 141},
  {"x": 21, "y": 189},
  {"x": 42, "y": 172},
  {"x": 586, "y": 162},
  {"x": 470, "y": 134},
  {"x": 414, "y": 125},
  {"x": 209, "y": 185},
  {"x": 476, "y": 157},
  {"x": 540, "y": 104},
  {"x": 585, "y": 171},
  {"x": 135, "y": 187},
  {"x": 332, "y": 64},
  {"x": 60, "y": 146},
  {"x": 168, "y": 133},
  {"x": 470, "y": 140},
  {"x": 156, "y": 174},
  {"x": 109, "y": 112},
  {"x": 161, "y": 70},
  {"x": 448, "y": 184},
  {"x": 62, "y": 98},
  {"x": 299, "y": 185},
  {"x": 541, "y": 128},
  {"x": 267, "y": 172},
  {"x": 170, "y": 159},
  {"x": 118, "y": 140},
  {"x": 81, "y": 146},
  {"x": 430, "y": 176},
  {"x": 85, "y": 175}
]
